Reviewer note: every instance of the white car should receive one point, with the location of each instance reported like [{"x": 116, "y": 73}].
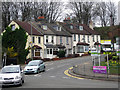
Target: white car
[
  {"x": 34, "y": 66},
  {"x": 11, "y": 75}
]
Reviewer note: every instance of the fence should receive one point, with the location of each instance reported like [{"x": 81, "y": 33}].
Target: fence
[{"x": 86, "y": 69}]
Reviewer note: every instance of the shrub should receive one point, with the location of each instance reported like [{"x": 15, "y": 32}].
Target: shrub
[{"x": 61, "y": 53}]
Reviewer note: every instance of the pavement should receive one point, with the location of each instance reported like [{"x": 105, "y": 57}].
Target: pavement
[{"x": 77, "y": 72}]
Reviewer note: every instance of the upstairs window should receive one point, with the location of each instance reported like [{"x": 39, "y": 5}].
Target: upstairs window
[
  {"x": 71, "y": 26},
  {"x": 78, "y": 38},
  {"x": 74, "y": 37},
  {"x": 88, "y": 38},
  {"x": 33, "y": 39},
  {"x": 60, "y": 39},
  {"x": 83, "y": 38},
  {"x": 93, "y": 38},
  {"x": 52, "y": 39},
  {"x": 81, "y": 28},
  {"x": 13, "y": 27},
  {"x": 67, "y": 41},
  {"x": 39, "y": 40},
  {"x": 44, "y": 27},
  {"x": 46, "y": 39},
  {"x": 97, "y": 38}
]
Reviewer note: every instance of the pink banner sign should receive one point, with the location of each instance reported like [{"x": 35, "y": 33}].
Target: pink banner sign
[{"x": 100, "y": 69}]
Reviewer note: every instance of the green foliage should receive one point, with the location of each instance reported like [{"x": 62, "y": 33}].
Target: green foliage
[
  {"x": 16, "y": 39},
  {"x": 61, "y": 53},
  {"x": 106, "y": 30}
]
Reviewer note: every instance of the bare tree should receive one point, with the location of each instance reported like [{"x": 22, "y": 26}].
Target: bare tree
[
  {"x": 82, "y": 11},
  {"x": 112, "y": 12}
]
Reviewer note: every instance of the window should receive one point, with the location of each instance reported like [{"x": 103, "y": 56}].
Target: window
[
  {"x": 50, "y": 51},
  {"x": 71, "y": 26},
  {"x": 67, "y": 41},
  {"x": 78, "y": 38},
  {"x": 93, "y": 38},
  {"x": 97, "y": 38},
  {"x": 80, "y": 49},
  {"x": 39, "y": 40},
  {"x": 46, "y": 39},
  {"x": 83, "y": 38},
  {"x": 60, "y": 39},
  {"x": 52, "y": 39},
  {"x": 74, "y": 37},
  {"x": 45, "y": 27},
  {"x": 80, "y": 27},
  {"x": 88, "y": 38},
  {"x": 57, "y": 28},
  {"x": 86, "y": 48},
  {"x": 13, "y": 27},
  {"x": 33, "y": 39}
]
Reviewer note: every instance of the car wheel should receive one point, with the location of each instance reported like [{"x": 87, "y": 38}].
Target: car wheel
[
  {"x": 44, "y": 69},
  {"x": 21, "y": 82},
  {"x": 38, "y": 71}
]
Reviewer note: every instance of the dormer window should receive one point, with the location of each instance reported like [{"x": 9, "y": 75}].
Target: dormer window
[
  {"x": 13, "y": 27},
  {"x": 44, "y": 27},
  {"x": 71, "y": 26},
  {"x": 80, "y": 27},
  {"x": 57, "y": 28}
]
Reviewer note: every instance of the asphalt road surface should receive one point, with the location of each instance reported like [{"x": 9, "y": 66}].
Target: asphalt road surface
[{"x": 54, "y": 77}]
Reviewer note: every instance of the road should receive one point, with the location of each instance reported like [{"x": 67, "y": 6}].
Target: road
[{"x": 54, "y": 77}]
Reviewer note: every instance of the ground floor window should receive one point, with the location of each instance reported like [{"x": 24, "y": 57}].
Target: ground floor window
[
  {"x": 86, "y": 48},
  {"x": 37, "y": 52},
  {"x": 80, "y": 48}
]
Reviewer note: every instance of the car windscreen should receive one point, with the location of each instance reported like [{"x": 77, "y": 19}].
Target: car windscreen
[
  {"x": 33, "y": 63},
  {"x": 10, "y": 70}
]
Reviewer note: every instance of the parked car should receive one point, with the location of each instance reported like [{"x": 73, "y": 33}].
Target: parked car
[
  {"x": 11, "y": 75},
  {"x": 34, "y": 66}
]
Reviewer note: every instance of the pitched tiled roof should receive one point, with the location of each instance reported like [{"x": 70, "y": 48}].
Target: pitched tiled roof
[
  {"x": 59, "y": 33},
  {"x": 86, "y": 30},
  {"x": 27, "y": 27}
]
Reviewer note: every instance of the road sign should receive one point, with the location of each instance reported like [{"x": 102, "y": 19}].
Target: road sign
[
  {"x": 95, "y": 53},
  {"x": 118, "y": 52},
  {"x": 100, "y": 69},
  {"x": 107, "y": 53}
]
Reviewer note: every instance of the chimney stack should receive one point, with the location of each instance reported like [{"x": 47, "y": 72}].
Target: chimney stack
[
  {"x": 67, "y": 20},
  {"x": 91, "y": 25}
]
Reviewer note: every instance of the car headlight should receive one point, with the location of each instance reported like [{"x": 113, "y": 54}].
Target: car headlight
[
  {"x": 25, "y": 69},
  {"x": 17, "y": 77}
]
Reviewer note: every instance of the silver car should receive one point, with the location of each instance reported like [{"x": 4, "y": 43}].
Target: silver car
[
  {"x": 34, "y": 66},
  {"x": 12, "y": 75}
]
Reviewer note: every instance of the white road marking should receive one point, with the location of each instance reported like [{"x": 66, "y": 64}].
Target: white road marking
[
  {"x": 66, "y": 77},
  {"x": 52, "y": 76},
  {"x": 50, "y": 69}
]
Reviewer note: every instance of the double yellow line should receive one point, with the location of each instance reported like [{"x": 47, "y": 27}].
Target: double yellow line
[{"x": 66, "y": 73}]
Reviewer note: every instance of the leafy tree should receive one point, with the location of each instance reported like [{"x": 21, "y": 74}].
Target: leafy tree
[{"x": 16, "y": 39}]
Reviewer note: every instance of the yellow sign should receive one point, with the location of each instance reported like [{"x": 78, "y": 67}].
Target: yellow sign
[{"x": 105, "y": 41}]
